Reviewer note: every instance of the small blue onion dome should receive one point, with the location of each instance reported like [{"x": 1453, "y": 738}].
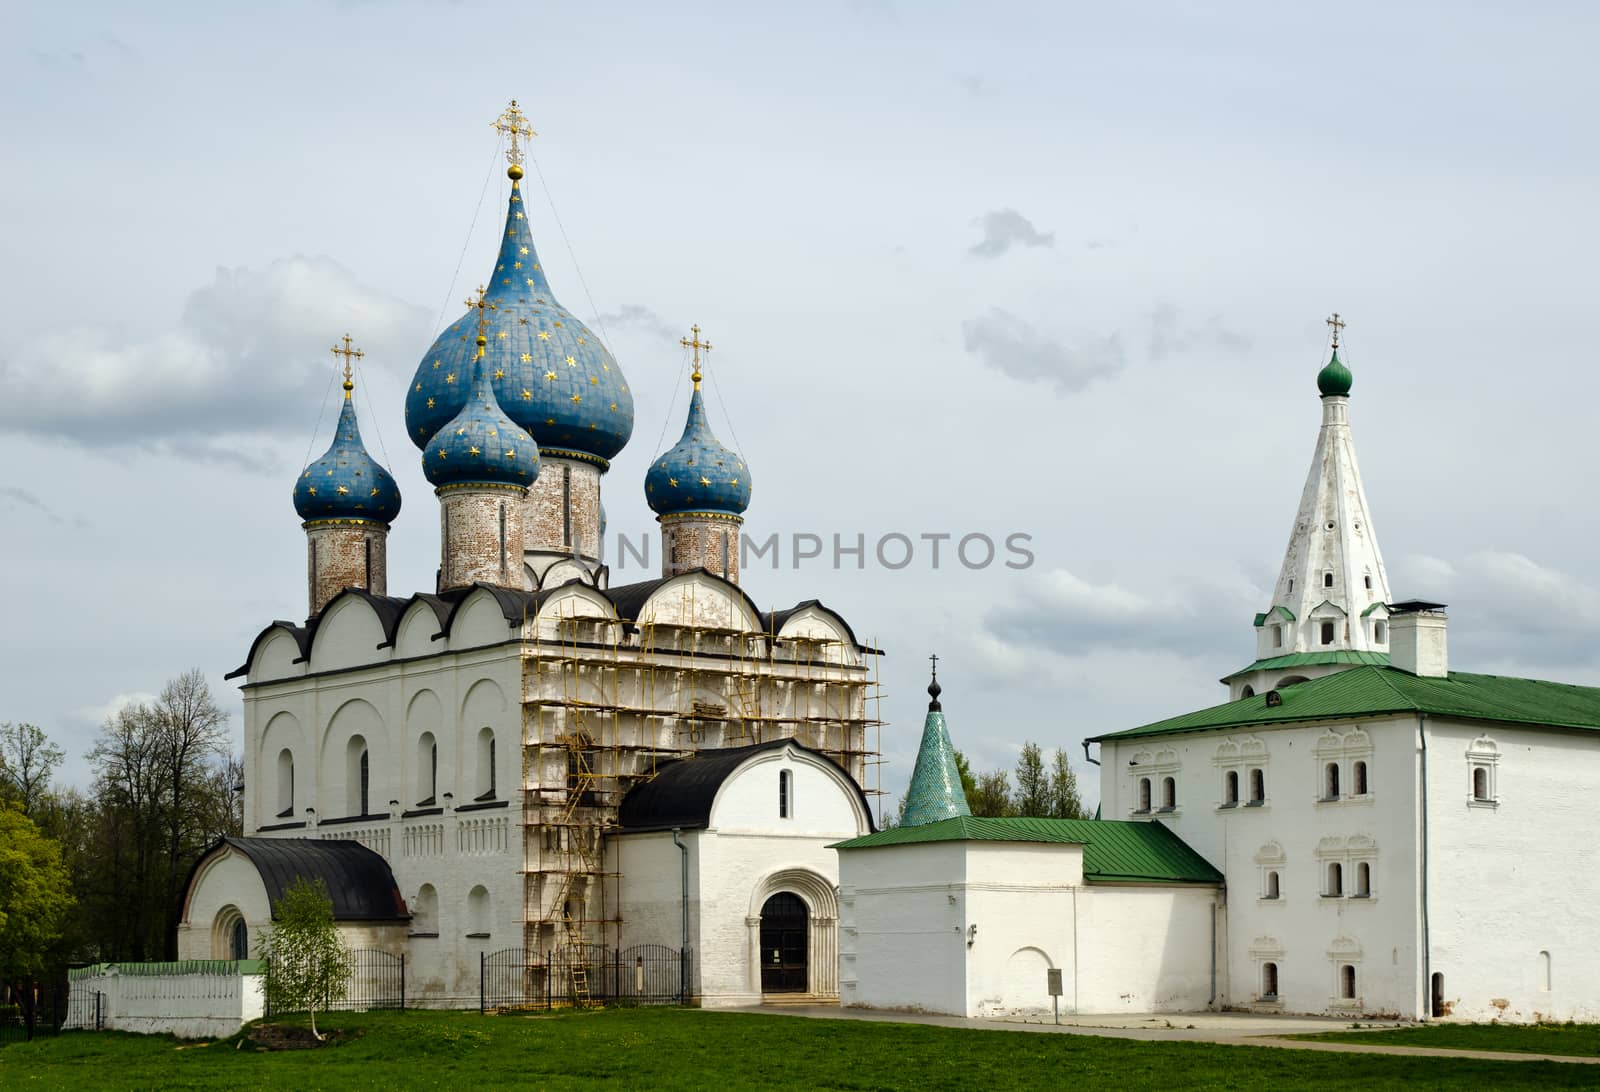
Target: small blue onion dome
[
  {"x": 1334, "y": 378},
  {"x": 698, "y": 474},
  {"x": 551, "y": 373},
  {"x": 347, "y": 483},
  {"x": 481, "y": 445}
]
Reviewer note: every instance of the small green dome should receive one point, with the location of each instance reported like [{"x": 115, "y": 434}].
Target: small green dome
[{"x": 1334, "y": 378}]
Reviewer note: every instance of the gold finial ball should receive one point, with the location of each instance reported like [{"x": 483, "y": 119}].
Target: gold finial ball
[
  {"x": 514, "y": 172},
  {"x": 482, "y": 340},
  {"x": 348, "y": 386}
]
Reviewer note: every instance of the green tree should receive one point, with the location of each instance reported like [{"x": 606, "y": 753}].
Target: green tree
[
  {"x": 1033, "y": 784},
  {"x": 35, "y": 899},
  {"x": 969, "y": 784},
  {"x": 1065, "y": 803},
  {"x": 992, "y": 797},
  {"x": 27, "y": 758},
  {"x": 308, "y": 963}
]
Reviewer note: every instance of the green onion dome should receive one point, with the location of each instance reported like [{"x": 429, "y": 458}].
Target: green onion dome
[{"x": 1334, "y": 378}]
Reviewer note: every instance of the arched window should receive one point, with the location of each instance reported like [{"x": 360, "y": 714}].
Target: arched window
[
  {"x": 1380, "y": 631},
  {"x": 1330, "y": 781},
  {"x": 239, "y": 942},
  {"x": 1544, "y": 970},
  {"x": 478, "y": 912},
  {"x": 1363, "y": 880},
  {"x": 1230, "y": 788},
  {"x": 1480, "y": 783},
  {"x": 1248, "y": 692},
  {"x": 1272, "y": 891},
  {"x": 427, "y": 770},
  {"x": 486, "y": 772},
  {"x": 1169, "y": 793},
  {"x": 1269, "y": 982},
  {"x": 285, "y": 784},
  {"x": 425, "y": 915},
  {"x": 1327, "y": 633},
  {"x": 1144, "y": 794},
  {"x": 358, "y": 777},
  {"x": 1327, "y": 579},
  {"x": 1359, "y": 776},
  {"x": 1335, "y": 879},
  {"x": 1258, "y": 786},
  {"x": 1277, "y": 634},
  {"x": 785, "y": 788},
  {"x": 1347, "y": 982}
]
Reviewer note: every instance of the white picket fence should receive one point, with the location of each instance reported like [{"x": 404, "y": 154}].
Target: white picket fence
[{"x": 192, "y": 999}]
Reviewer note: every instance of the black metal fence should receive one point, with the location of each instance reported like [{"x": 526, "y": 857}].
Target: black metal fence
[
  {"x": 578, "y": 974},
  {"x": 377, "y": 981},
  {"x": 44, "y": 1008}
]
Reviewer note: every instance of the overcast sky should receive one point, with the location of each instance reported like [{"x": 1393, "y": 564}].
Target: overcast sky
[{"x": 1052, "y": 269}]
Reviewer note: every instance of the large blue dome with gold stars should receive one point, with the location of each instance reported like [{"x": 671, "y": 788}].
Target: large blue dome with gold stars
[
  {"x": 698, "y": 474},
  {"x": 346, "y": 483},
  {"x": 551, "y": 373},
  {"x": 481, "y": 445}
]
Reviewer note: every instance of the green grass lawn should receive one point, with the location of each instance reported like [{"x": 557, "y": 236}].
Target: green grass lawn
[
  {"x": 671, "y": 1049},
  {"x": 1570, "y": 1039}
]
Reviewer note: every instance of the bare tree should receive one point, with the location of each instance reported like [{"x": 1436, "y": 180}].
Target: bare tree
[
  {"x": 27, "y": 758},
  {"x": 191, "y": 734}
]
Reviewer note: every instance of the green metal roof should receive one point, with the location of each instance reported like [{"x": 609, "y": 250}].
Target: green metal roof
[
  {"x": 1377, "y": 690},
  {"x": 1283, "y": 612},
  {"x": 1314, "y": 659},
  {"x": 1113, "y": 850}
]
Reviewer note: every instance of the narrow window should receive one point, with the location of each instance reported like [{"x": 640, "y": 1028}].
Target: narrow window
[
  {"x": 1544, "y": 970},
  {"x": 1380, "y": 631},
  {"x": 1291, "y": 585},
  {"x": 1230, "y": 789},
  {"x": 285, "y": 784},
  {"x": 1363, "y": 880},
  {"x": 1258, "y": 787},
  {"x": 1169, "y": 794},
  {"x": 1330, "y": 781},
  {"x": 724, "y": 553},
  {"x": 1480, "y": 783},
  {"x": 239, "y": 942},
  {"x": 1144, "y": 794},
  {"x": 566, "y": 506},
  {"x": 1277, "y": 636},
  {"x": 1369, "y": 581},
  {"x": 504, "y": 574},
  {"x": 1248, "y": 692},
  {"x": 366, "y": 781},
  {"x": 1269, "y": 982},
  {"x": 1347, "y": 982},
  {"x": 1272, "y": 885},
  {"x": 368, "y": 544},
  {"x": 491, "y": 766},
  {"x": 1335, "y": 878},
  {"x": 1327, "y": 580},
  {"x": 478, "y": 912},
  {"x": 783, "y": 793},
  {"x": 486, "y": 780},
  {"x": 1327, "y": 633},
  {"x": 1359, "y": 776},
  {"x": 433, "y": 772},
  {"x": 1436, "y": 1005}
]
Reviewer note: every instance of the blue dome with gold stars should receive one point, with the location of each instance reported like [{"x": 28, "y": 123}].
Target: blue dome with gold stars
[
  {"x": 480, "y": 445},
  {"x": 347, "y": 483},
  {"x": 551, "y": 373},
  {"x": 698, "y": 474}
]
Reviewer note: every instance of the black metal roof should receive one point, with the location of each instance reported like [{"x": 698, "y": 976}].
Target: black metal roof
[
  {"x": 681, "y": 795},
  {"x": 358, "y": 880}
]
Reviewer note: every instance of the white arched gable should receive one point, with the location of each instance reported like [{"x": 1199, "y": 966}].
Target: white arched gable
[
  {"x": 699, "y": 599},
  {"x": 479, "y": 620},
  {"x": 562, "y": 571},
  {"x": 225, "y": 878},
  {"x": 348, "y": 635},
  {"x": 819, "y": 797},
  {"x": 819, "y": 624},
  {"x": 572, "y": 601},
  {"x": 275, "y": 658},
  {"x": 416, "y": 632}
]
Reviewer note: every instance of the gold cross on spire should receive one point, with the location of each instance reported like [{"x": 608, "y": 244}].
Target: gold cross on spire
[
  {"x": 513, "y": 125},
  {"x": 1338, "y": 324},
  {"x": 696, "y": 344},
  {"x": 347, "y": 353},
  {"x": 481, "y": 302}
]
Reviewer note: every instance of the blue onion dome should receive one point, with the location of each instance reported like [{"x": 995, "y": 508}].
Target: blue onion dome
[
  {"x": 698, "y": 474},
  {"x": 551, "y": 373},
  {"x": 481, "y": 445},
  {"x": 347, "y": 484},
  {"x": 1334, "y": 378}
]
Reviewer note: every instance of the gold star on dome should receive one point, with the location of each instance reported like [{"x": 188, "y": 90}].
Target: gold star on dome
[
  {"x": 374, "y": 491},
  {"x": 544, "y": 335},
  {"x": 515, "y": 200},
  {"x": 341, "y": 491},
  {"x": 529, "y": 282},
  {"x": 499, "y": 373},
  {"x": 522, "y": 321},
  {"x": 519, "y": 216},
  {"x": 501, "y": 268},
  {"x": 550, "y": 376},
  {"x": 704, "y": 480},
  {"x": 473, "y": 450},
  {"x": 572, "y": 362},
  {"x": 511, "y": 453},
  {"x": 516, "y": 265},
  {"x": 312, "y": 490},
  {"x": 536, "y": 267},
  {"x": 614, "y": 409},
  {"x": 450, "y": 377},
  {"x": 527, "y": 358},
  {"x": 419, "y": 388},
  {"x": 556, "y": 323},
  {"x": 605, "y": 367},
  {"x": 461, "y": 432},
  {"x": 549, "y": 420},
  {"x": 527, "y": 395},
  {"x": 673, "y": 482},
  {"x": 436, "y": 364},
  {"x": 577, "y": 398},
  {"x": 594, "y": 381},
  {"x": 524, "y": 250},
  {"x": 502, "y": 335},
  {"x": 442, "y": 453},
  {"x": 582, "y": 341},
  {"x": 735, "y": 481},
  {"x": 430, "y": 403}
]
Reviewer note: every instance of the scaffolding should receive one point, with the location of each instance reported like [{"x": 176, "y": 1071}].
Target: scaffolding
[{"x": 607, "y": 701}]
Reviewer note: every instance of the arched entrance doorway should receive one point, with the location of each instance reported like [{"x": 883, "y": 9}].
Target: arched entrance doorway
[{"x": 785, "y": 924}]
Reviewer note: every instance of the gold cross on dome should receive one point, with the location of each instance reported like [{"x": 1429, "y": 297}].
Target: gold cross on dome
[
  {"x": 695, "y": 344},
  {"x": 514, "y": 126},
  {"x": 347, "y": 353},
  {"x": 481, "y": 302},
  {"x": 1337, "y": 324}
]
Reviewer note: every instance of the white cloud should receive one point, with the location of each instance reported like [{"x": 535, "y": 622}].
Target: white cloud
[
  {"x": 1006, "y": 228},
  {"x": 247, "y": 357},
  {"x": 1014, "y": 347},
  {"x": 1170, "y": 333}
]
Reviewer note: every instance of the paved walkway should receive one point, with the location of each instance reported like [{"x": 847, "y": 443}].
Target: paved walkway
[{"x": 1224, "y": 1028}]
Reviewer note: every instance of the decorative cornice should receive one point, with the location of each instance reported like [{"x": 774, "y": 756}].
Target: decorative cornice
[
  {"x": 676, "y": 517},
  {"x": 575, "y": 456},
  {"x": 476, "y": 487},
  {"x": 372, "y": 523}
]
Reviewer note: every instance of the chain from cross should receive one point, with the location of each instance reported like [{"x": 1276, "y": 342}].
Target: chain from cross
[
  {"x": 513, "y": 125},
  {"x": 1338, "y": 324},
  {"x": 696, "y": 344},
  {"x": 347, "y": 353},
  {"x": 483, "y": 306}
]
